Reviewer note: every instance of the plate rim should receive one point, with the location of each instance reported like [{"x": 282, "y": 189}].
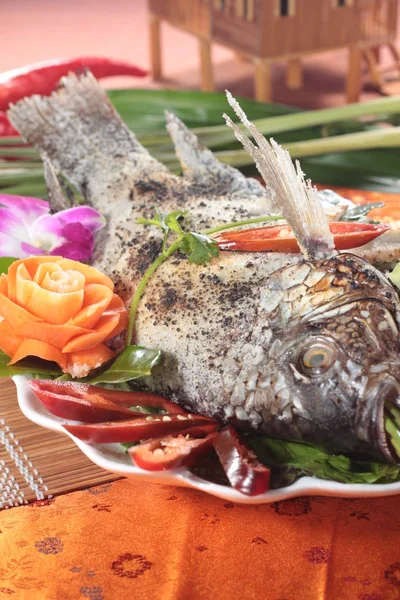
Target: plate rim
[{"x": 31, "y": 407}]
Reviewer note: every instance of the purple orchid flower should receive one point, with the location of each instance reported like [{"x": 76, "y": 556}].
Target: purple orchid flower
[{"x": 27, "y": 228}]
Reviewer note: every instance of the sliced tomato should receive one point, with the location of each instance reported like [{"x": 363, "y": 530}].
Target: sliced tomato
[
  {"x": 92, "y": 394},
  {"x": 173, "y": 451},
  {"x": 92, "y": 408},
  {"x": 136, "y": 429},
  {"x": 280, "y": 238},
  {"x": 244, "y": 471}
]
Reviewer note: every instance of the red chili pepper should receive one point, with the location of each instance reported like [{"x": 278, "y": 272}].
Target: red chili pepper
[
  {"x": 136, "y": 429},
  {"x": 245, "y": 473},
  {"x": 121, "y": 399},
  {"x": 41, "y": 78},
  {"x": 280, "y": 238},
  {"x": 90, "y": 408},
  {"x": 6, "y": 129},
  {"x": 174, "y": 450}
]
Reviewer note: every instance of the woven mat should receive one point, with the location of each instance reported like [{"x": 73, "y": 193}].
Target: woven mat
[{"x": 36, "y": 463}]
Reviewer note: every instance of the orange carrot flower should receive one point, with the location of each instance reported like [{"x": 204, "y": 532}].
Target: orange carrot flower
[{"x": 59, "y": 310}]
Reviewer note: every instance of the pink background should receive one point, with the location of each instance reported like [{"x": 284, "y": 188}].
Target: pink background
[{"x": 35, "y": 30}]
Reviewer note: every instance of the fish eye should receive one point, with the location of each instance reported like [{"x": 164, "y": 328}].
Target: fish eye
[{"x": 317, "y": 357}]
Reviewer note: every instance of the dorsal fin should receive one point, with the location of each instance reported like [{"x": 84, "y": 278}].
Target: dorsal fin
[
  {"x": 296, "y": 198},
  {"x": 200, "y": 164}
]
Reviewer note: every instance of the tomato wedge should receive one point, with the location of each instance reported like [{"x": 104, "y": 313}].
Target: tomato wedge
[
  {"x": 280, "y": 238},
  {"x": 91, "y": 408},
  {"x": 91, "y": 395},
  {"x": 245, "y": 473},
  {"x": 173, "y": 451},
  {"x": 136, "y": 429}
]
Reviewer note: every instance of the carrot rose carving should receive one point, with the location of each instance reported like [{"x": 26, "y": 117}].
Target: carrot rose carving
[{"x": 59, "y": 310}]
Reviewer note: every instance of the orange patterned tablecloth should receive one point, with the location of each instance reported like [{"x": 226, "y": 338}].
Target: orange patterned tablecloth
[{"x": 128, "y": 540}]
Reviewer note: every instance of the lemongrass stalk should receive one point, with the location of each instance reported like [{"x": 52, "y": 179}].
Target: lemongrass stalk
[
  {"x": 34, "y": 189},
  {"x": 21, "y": 151},
  {"x": 12, "y": 141},
  {"x": 20, "y": 166},
  {"x": 218, "y": 135},
  {"x": 363, "y": 140},
  {"x": 377, "y": 138}
]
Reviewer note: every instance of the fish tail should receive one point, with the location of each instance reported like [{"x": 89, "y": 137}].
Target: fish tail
[{"x": 79, "y": 130}]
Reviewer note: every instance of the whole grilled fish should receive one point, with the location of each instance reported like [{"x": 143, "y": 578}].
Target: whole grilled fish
[{"x": 301, "y": 346}]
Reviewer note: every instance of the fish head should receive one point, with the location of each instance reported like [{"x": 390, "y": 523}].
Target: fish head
[{"x": 334, "y": 363}]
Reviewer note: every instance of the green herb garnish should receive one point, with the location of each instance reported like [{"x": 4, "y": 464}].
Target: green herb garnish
[
  {"x": 28, "y": 366},
  {"x": 292, "y": 460},
  {"x": 133, "y": 362}
]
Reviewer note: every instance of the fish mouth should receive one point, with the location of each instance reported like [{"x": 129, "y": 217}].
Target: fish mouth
[{"x": 386, "y": 420}]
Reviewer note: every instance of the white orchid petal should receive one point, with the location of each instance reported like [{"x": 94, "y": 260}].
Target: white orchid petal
[
  {"x": 11, "y": 246},
  {"x": 11, "y": 224}
]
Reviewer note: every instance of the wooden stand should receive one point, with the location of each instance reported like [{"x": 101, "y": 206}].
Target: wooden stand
[
  {"x": 388, "y": 86},
  {"x": 262, "y": 81},
  {"x": 265, "y": 31},
  {"x": 206, "y": 70},
  {"x": 353, "y": 87},
  {"x": 294, "y": 74},
  {"x": 155, "y": 47}
]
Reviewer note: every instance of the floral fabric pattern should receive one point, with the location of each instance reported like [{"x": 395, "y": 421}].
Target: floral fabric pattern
[{"x": 156, "y": 542}]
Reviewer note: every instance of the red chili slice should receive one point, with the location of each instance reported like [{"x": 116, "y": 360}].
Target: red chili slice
[
  {"x": 280, "y": 238},
  {"x": 92, "y": 408},
  {"x": 245, "y": 473},
  {"x": 88, "y": 392},
  {"x": 136, "y": 429},
  {"x": 174, "y": 451}
]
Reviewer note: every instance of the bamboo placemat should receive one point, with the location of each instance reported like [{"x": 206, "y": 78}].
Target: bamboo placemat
[{"x": 35, "y": 463}]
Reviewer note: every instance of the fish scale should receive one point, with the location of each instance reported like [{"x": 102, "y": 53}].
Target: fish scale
[{"x": 236, "y": 334}]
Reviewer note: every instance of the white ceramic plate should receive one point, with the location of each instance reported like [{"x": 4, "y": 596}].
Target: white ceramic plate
[{"x": 112, "y": 457}]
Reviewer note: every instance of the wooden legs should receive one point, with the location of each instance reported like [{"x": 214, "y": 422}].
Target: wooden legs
[
  {"x": 353, "y": 87},
  {"x": 155, "y": 47},
  {"x": 206, "y": 70},
  {"x": 207, "y": 81},
  {"x": 373, "y": 68},
  {"x": 294, "y": 74},
  {"x": 262, "y": 81}
]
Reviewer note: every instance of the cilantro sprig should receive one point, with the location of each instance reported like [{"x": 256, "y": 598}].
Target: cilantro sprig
[{"x": 199, "y": 249}]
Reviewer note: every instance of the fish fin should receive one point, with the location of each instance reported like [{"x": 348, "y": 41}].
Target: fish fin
[
  {"x": 199, "y": 163},
  {"x": 295, "y": 197},
  {"x": 79, "y": 130},
  {"x": 58, "y": 199}
]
